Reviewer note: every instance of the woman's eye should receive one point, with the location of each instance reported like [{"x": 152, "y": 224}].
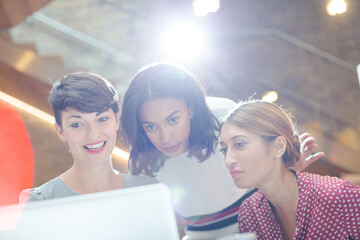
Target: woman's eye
[
  {"x": 103, "y": 119},
  {"x": 239, "y": 144},
  {"x": 76, "y": 125},
  {"x": 150, "y": 128},
  {"x": 223, "y": 150},
  {"x": 173, "y": 120}
]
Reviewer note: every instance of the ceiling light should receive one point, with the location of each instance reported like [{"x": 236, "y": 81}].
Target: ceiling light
[
  {"x": 336, "y": 7},
  {"x": 203, "y": 7},
  {"x": 183, "y": 41},
  {"x": 270, "y": 96}
]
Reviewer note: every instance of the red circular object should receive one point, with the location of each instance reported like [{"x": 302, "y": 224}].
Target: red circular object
[{"x": 17, "y": 158}]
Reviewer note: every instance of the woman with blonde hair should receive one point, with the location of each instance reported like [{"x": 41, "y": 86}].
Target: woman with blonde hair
[{"x": 259, "y": 143}]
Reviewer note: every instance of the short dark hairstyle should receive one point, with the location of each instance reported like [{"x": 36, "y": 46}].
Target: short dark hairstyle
[
  {"x": 83, "y": 91},
  {"x": 165, "y": 80}
]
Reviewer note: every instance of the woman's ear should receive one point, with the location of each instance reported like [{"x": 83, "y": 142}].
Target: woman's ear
[
  {"x": 60, "y": 132},
  {"x": 279, "y": 146}
]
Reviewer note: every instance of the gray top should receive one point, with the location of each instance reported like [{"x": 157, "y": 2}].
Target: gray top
[{"x": 56, "y": 188}]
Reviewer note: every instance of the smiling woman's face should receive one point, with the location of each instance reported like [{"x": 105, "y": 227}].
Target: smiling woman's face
[
  {"x": 248, "y": 157},
  {"x": 166, "y": 122},
  {"x": 90, "y": 136}
]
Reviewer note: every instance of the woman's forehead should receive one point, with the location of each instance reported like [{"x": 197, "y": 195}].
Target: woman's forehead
[{"x": 161, "y": 108}]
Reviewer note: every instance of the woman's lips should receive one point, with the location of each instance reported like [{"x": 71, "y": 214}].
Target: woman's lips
[
  {"x": 172, "y": 148},
  {"x": 234, "y": 173},
  {"x": 95, "y": 148}
]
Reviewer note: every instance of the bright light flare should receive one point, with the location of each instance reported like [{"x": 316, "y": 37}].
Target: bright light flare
[
  {"x": 203, "y": 7},
  {"x": 178, "y": 194},
  {"x": 336, "y": 7},
  {"x": 25, "y": 60},
  {"x": 183, "y": 42},
  {"x": 27, "y": 108},
  {"x": 270, "y": 96}
]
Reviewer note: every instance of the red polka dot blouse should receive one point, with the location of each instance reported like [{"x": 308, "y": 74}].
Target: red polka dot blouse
[{"x": 328, "y": 208}]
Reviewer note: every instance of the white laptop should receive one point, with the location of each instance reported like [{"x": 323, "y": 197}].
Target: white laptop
[{"x": 143, "y": 212}]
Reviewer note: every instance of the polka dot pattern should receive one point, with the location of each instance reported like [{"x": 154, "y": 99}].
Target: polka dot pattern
[{"x": 328, "y": 208}]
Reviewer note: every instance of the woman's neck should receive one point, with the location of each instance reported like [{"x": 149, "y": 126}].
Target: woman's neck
[
  {"x": 283, "y": 195},
  {"x": 90, "y": 178}
]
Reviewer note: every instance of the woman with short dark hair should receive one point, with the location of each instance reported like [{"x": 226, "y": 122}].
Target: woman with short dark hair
[{"x": 86, "y": 111}]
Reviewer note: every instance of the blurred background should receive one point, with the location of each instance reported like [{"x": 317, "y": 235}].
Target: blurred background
[{"x": 303, "y": 54}]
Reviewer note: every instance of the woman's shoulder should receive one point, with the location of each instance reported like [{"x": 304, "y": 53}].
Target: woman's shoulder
[
  {"x": 137, "y": 180},
  {"x": 317, "y": 181},
  {"x": 253, "y": 202},
  {"x": 327, "y": 186},
  {"x": 54, "y": 188}
]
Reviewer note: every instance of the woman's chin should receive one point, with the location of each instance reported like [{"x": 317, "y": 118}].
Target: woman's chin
[
  {"x": 173, "y": 154},
  {"x": 242, "y": 184}
]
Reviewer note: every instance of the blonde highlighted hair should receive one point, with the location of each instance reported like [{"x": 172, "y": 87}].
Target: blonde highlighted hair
[{"x": 269, "y": 121}]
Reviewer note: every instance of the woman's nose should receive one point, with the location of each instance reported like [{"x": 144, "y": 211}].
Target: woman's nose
[
  {"x": 230, "y": 159},
  {"x": 93, "y": 131},
  {"x": 166, "y": 135}
]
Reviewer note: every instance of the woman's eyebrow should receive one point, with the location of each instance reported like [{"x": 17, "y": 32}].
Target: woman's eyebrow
[
  {"x": 167, "y": 118},
  {"x": 172, "y": 114},
  {"x": 238, "y": 136},
  {"x": 74, "y": 116},
  {"x": 101, "y": 112}
]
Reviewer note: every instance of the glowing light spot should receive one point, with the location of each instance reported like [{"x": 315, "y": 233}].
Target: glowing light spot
[
  {"x": 336, "y": 7},
  {"x": 10, "y": 215},
  {"x": 183, "y": 42},
  {"x": 203, "y": 7},
  {"x": 25, "y": 60},
  {"x": 270, "y": 96},
  {"x": 177, "y": 193},
  {"x": 123, "y": 155}
]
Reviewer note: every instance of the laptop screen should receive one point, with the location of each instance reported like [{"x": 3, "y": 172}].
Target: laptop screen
[{"x": 143, "y": 212}]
